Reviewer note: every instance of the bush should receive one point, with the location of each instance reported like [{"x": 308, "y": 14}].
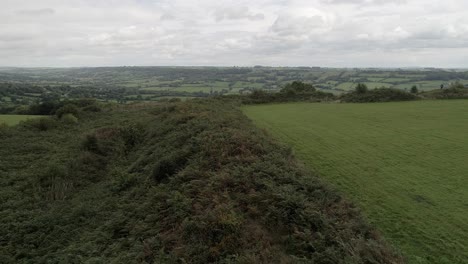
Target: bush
[
  {"x": 67, "y": 109},
  {"x": 3, "y": 129},
  {"x": 293, "y": 92},
  {"x": 414, "y": 89},
  {"x": 92, "y": 108},
  {"x": 90, "y": 143},
  {"x": 455, "y": 91},
  {"x": 69, "y": 119},
  {"x": 132, "y": 134},
  {"x": 121, "y": 179},
  {"x": 48, "y": 107},
  {"x": 169, "y": 165},
  {"x": 54, "y": 183},
  {"x": 41, "y": 124},
  {"x": 377, "y": 95}
]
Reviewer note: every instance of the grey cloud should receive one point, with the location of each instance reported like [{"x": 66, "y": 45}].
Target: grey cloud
[
  {"x": 36, "y": 12},
  {"x": 167, "y": 16},
  {"x": 273, "y": 32},
  {"x": 364, "y": 2},
  {"x": 290, "y": 25},
  {"x": 233, "y": 13}
]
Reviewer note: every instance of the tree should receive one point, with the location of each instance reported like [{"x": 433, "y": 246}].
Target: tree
[
  {"x": 414, "y": 89},
  {"x": 361, "y": 88},
  {"x": 298, "y": 87}
]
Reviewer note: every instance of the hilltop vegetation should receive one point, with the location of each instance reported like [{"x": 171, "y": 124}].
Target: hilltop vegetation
[{"x": 190, "y": 182}]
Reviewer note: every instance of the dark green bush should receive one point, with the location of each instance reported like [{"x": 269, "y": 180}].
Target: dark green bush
[
  {"x": 69, "y": 119},
  {"x": 169, "y": 164},
  {"x": 378, "y": 95},
  {"x": 90, "y": 143},
  {"x": 92, "y": 108},
  {"x": 121, "y": 179},
  {"x": 67, "y": 109},
  {"x": 455, "y": 91},
  {"x": 54, "y": 183},
  {"x": 132, "y": 134},
  {"x": 293, "y": 92},
  {"x": 41, "y": 124}
]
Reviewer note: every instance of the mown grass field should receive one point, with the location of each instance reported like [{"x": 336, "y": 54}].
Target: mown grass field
[
  {"x": 12, "y": 120},
  {"x": 405, "y": 164}
]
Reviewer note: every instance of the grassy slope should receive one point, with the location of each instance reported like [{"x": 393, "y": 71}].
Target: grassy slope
[
  {"x": 404, "y": 163},
  {"x": 201, "y": 184},
  {"x": 15, "y": 119}
]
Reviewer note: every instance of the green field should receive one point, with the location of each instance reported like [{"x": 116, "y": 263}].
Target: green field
[
  {"x": 405, "y": 164},
  {"x": 12, "y": 120}
]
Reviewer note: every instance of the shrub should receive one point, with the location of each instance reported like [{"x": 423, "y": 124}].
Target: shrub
[
  {"x": 132, "y": 134},
  {"x": 456, "y": 86},
  {"x": 90, "y": 143},
  {"x": 3, "y": 129},
  {"x": 169, "y": 165},
  {"x": 69, "y": 119},
  {"x": 414, "y": 89},
  {"x": 121, "y": 179},
  {"x": 378, "y": 95},
  {"x": 84, "y": 102},
  {"x": 455, "y": 91},
  {"x": 92, "y": 108},
  {"x": 41, "y": 124},
  {"x": 53, "y": 183},
  {"x": 67, "y": 109},
  {"x": 293, "y": 92}
]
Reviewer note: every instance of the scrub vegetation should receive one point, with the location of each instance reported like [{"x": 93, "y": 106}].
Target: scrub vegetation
[{"x": 191, "y": 182}]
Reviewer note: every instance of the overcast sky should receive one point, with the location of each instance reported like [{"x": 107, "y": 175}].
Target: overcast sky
[{"x": 332, "y": 33}]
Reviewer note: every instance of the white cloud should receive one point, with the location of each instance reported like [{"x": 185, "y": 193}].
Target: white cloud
[{"x": 208, "y": 32}]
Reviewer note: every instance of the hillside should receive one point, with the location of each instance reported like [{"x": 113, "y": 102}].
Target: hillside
[{"x": 191, "y": 182}]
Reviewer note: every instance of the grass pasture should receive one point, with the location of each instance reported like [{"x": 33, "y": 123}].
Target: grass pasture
[
  {"x": 405, "y": 164},
  {"x": 12, "y": 120}
]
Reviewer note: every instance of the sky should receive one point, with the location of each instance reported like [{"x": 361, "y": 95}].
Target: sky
[{"x": 327, "y": 33}]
